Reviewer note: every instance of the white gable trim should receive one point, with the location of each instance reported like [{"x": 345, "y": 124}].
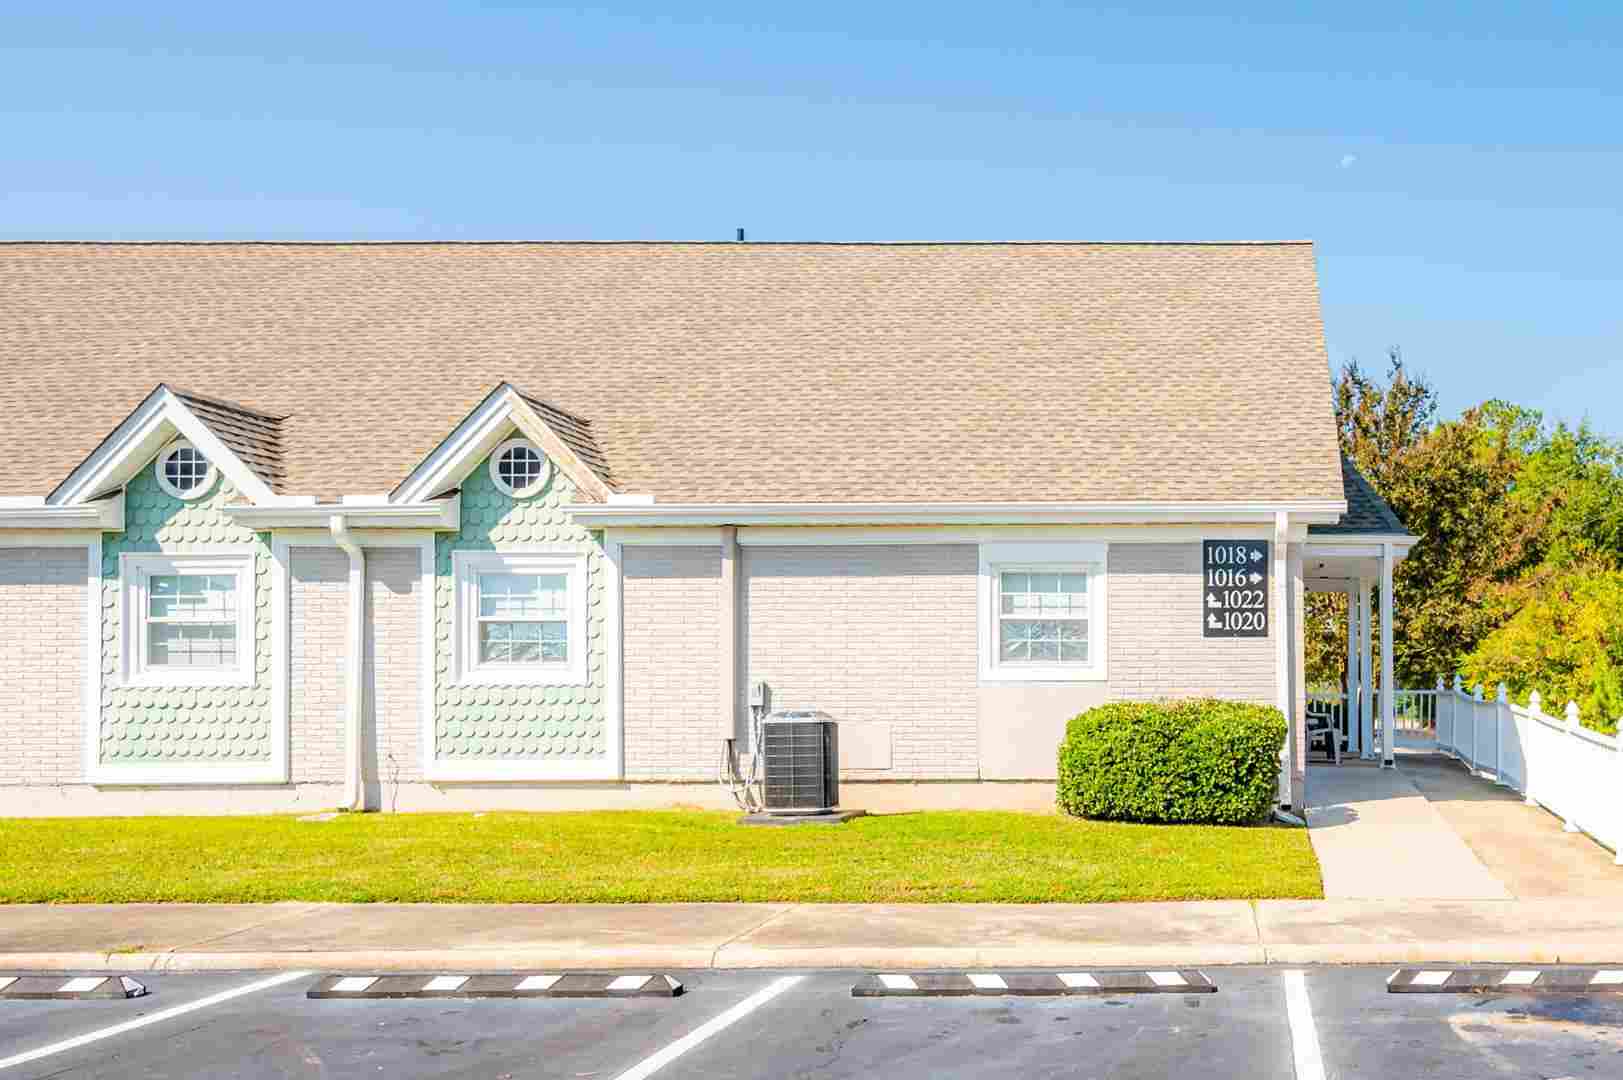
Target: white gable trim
[
  {"x": 155, "y": 423},
  {"x": 502, "y": 412}
]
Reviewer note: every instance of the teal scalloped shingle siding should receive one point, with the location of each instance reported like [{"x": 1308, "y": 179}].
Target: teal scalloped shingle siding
[
  {"x": 183, "y": 725},
  {"x": 515, "y": 722}
]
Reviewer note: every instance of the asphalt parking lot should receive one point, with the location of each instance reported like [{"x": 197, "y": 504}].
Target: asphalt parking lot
[{"x": 805, "y": 1024}]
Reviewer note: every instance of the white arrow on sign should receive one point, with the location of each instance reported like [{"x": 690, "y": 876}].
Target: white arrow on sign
[
  {"x": 1211, "y": 621},
  {"x": 1255, "y": 577},
  {"x": 1256, "y": 556},
  {"x": 1212, "y": 601}
]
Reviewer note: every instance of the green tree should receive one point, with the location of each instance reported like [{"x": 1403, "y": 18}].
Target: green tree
[{"x": 1565, "y": 640}]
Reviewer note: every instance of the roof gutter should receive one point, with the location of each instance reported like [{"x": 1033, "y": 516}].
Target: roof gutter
[
  {"x": 443, "y": 513},
  {"x": 621, "y": 515},
  {"x": 29, "y": 512}
]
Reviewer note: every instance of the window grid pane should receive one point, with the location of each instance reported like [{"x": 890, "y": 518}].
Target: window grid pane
[
  {"x": 192, "y": 645},
  {"x": 185, "y": 468},
  {"x": 519, "y": 467},
  {"x": 204, "y": 598}
]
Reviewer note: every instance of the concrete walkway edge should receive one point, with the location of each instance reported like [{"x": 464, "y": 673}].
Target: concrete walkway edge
[{"x": 408, "y": 937}]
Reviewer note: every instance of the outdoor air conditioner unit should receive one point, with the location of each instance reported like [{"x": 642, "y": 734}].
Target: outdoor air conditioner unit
[{"x": 800, "y": 755}]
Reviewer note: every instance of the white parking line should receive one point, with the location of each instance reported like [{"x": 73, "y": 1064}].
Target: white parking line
[
  {"x": 653, "y": 1063},
  {"x": 1304, "y": 1036},
  {"x": 154, "y": 1018}
]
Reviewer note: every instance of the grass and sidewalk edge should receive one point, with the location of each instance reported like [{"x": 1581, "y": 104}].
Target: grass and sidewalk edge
[{"x": 457, "y": 938}]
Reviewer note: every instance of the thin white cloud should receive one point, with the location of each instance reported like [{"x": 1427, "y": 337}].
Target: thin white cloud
[{"x": 1347, "y": 160}]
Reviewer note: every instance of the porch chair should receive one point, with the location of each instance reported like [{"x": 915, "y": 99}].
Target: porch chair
[{"x": 1321, "y": 729}]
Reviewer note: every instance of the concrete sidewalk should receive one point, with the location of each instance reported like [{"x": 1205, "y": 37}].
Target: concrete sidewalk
[
  {"x": 1378, "y": 837},
  {"x": 457, "y": 937}
]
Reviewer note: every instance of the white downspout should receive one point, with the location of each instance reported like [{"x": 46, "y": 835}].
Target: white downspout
[{"x": 354, "y": 663}]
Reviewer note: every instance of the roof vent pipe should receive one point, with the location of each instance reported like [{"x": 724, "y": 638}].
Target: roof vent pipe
[
  {"x": 354, "y": 660},
  {"x": 740, "y": 236}
]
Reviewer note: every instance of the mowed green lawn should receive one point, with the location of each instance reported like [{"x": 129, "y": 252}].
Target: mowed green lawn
[{"x": 637, "y": 856}]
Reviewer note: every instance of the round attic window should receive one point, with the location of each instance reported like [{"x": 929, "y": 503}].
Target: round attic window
[
  {"x": 518, "y": 468},
  {"x": 183, "y": 471}
]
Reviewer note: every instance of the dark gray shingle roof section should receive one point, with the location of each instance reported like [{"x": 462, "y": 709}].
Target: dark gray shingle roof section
[
  {"x": 1367, "y": 513},
  {"x": 255, "y": 437}
]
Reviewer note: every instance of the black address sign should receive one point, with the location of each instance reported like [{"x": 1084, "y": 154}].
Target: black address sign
[{"x": 1234, "y": 588}]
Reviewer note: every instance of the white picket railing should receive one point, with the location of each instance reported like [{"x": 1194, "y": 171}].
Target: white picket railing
[{"x": 1554, "y": 761}]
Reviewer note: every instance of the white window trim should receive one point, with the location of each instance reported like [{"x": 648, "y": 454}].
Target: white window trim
[
  {"x": 135, "y": 570},
  {"x": 534, "y": 487},
  {"x": 192, "y": 494},
  {"x": 467, "y": 566},
  {"x": 1087, "y": 556}
]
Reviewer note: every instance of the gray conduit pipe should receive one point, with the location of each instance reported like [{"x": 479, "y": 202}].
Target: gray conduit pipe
[{"x": 354, "y": 659}]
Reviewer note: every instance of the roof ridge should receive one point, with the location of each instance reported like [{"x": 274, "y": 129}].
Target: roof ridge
[{"x": 651, "y": 243}]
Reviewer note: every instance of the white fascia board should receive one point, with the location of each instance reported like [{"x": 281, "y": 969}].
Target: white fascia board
[
  {"x": 605, "y": 515},
  {"x": 1365, "y": 541},
  {"x": 1357, "y": 546},
  {"x": 103, "y": 515},
  {"x": 853, "y": 535},
  {"x": 143, "y": 433},
  {"x": 470, "y": 442},
  {"x": 441, "y": 514}
]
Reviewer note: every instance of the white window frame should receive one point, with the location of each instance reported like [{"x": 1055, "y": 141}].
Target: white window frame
[
  {"x": 136, "y": 570},
  {"x": 535, "y": 486},
  {"x": 1087, "y": 557},
  {"x": 191, "y": 494},
  {"x": 467, "y": 566}
]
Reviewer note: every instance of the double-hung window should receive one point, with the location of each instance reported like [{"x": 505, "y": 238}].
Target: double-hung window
[
  {"x": 1042, "y": 611},
  {"x": 1043, "y": 616},
  {"x": 188, "y": 620},
  {"x": 522, "y": 617}
]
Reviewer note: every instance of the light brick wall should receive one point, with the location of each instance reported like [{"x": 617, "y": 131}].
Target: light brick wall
[
  {"x": 319, "y": 582},
  {"x": 393, "y": 664},
  {"x": 1156, "y": 645},
  {"x": 672, "y": 605},
  {"x": 873, "y": 633},
  {"x": 393, "y": 671},
  {"x": 42, "y": 665}
]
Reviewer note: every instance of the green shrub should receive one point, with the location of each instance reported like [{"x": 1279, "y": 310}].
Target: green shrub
[{"x": 1209, "y": 761}]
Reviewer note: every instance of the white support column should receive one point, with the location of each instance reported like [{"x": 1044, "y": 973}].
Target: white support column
[
  {"x": 1366, "y": 670},
  {"x": 1282, "y": 657},
  {"x": 1388, "y": 683},
  {"x": 1350, "y": 710}
]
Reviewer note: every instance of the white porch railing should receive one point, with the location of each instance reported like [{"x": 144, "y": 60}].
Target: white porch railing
[
  {"x": 1414, "y": 713},
  {"x": 1554, "y": 761}
]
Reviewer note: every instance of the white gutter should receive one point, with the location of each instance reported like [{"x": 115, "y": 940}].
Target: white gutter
[
  {"x": 434, "y": 514},
  {"x": 354, "y": 660},
  {"x": 612, "y": 515},
  {"x": 32, "y": 512}
]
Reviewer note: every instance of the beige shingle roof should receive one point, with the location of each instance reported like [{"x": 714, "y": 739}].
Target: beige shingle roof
[{"x": 707, "y": 372}]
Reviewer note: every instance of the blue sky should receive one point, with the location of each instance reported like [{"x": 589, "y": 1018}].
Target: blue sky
[{"x": 1459, "y": 165}]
